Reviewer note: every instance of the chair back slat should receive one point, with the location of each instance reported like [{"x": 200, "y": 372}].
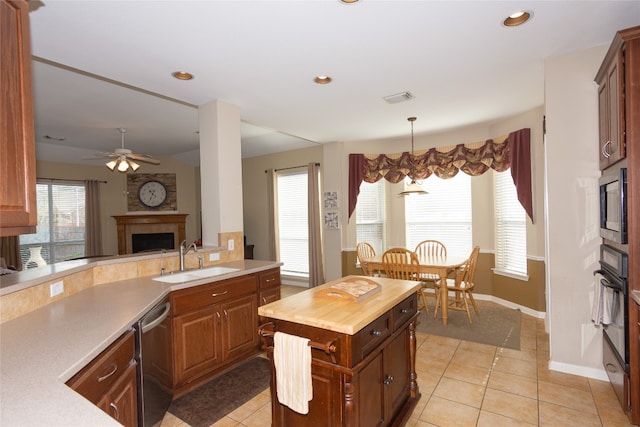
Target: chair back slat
[
  {"x": 401, "y": 263},
  {"x": 365, "y": 250},
  {"x": 432, "y": 248}
]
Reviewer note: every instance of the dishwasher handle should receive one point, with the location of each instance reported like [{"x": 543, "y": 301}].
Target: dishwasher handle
[{"x": 146, "y": 324}]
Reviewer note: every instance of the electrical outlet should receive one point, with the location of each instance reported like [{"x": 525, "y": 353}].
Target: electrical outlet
[
  {"x": 56, "y": 288},
  {"x": 214, "y": 256},
  {"x": 230, "y": 245}
]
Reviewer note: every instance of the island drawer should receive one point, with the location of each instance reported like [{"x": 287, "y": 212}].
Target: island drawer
[
  {"x": 372, "y": 335},
  {"x": 404, "y": 311},
  {"x": 189, "y": 299},
  {"x": 269, "y": 278},
  {"x": 103, "y": 371}
]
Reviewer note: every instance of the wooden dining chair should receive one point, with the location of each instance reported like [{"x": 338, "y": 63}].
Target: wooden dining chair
[
  {"x": 429, "y": 248},
  {"x": 402, "y": 263},
  {"x": 462, "y": 287},
  {"x": 364, "y": 250}
]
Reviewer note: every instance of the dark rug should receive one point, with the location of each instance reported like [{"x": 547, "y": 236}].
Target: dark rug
[
  {"x": 498, "y": 326},
  {"x": 215, "y": 399}
]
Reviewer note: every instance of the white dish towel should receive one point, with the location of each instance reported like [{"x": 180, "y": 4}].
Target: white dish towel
[
  {"x": 292, "y": 360},
  {"x": 602, "y": 300}
]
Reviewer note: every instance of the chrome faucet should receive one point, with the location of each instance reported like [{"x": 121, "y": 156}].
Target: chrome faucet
[{"x": 184, "y": 249}]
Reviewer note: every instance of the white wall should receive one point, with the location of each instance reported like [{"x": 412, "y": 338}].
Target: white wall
[{"x": 571, "y": 157}]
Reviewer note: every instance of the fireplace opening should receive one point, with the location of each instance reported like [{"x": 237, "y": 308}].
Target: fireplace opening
[{"x": 151, "y": 241}]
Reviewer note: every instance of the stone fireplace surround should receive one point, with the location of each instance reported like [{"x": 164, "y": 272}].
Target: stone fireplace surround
[{"x": 152, "y": 224}]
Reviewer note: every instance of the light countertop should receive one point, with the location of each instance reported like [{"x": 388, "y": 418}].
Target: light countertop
[
  {"x": 311, "y": 309},
  {"x": 41, "y": 350}
]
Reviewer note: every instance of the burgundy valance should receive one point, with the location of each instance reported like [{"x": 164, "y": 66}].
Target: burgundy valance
[{"x": 513, "y": 151}]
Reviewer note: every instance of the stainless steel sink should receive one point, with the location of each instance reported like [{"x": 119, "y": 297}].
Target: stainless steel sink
[{"x": 187, "y": 276}]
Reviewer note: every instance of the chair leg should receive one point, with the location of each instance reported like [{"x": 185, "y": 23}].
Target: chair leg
[
  {"x": 466, "y": 306},
  {"x": 438, "y": 302},
  {"x": 424, "y": 300},
  {"x": 473, "y": 301}
]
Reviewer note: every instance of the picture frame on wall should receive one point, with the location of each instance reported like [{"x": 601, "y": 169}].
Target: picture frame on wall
[
  {"x": 331, "y": 220},
  {"x": 331, "y": 200}
]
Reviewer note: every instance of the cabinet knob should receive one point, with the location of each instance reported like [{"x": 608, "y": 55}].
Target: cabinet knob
[
  {"x": 376, "y": 333},
  {"x": 388, "y": 380},
  {"x": 404, "y": 311}
]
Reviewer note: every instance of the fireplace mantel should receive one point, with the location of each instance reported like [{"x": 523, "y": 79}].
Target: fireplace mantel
[{"x": 129, "y": 225}]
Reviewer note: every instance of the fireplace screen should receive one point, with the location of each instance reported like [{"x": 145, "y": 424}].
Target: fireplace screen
[{"x": 152, "y": 241}]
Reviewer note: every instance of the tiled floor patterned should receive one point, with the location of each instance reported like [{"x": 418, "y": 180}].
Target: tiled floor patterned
[{"x": 467, "y": 384}]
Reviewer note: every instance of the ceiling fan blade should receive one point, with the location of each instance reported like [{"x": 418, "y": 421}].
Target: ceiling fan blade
[
  {"x": 101, "y": 155},
  {"x": 144, "y": 158}
]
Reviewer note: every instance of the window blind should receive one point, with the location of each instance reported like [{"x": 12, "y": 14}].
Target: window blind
[
  {"x": 371, "y": 215},
  {"x": 61, "y": 223},
  {"x": 444, "y": 214},
  {"x": 293, "y": 220},
  {"x": 510, "y": 226}
]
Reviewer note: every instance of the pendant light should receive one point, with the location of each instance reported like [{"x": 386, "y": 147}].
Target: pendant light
[{"x": 413, "y": 187}]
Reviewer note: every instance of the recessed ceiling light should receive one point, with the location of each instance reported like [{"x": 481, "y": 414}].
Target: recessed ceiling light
[
  {"x": 349, "y": 1},
  {"x": 517, "y": 18},
  {"x": 322, "y": 80},
  {"x": 182, "y": 75}
]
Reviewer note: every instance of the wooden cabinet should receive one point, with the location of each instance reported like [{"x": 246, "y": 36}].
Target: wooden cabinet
[
  {"x": 18, "y": 210},
  {"x": 368, "y": 379},
  {"x": 611, "y": 109},
  {"x": 269, "y": 283},
  {"x": 214, "y": 326},
  {"x": 109, "y": 381}
]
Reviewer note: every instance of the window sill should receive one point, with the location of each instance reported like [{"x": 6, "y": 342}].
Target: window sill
[{"x": 511, "y": 274}]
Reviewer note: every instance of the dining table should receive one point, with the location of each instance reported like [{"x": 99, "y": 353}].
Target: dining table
[{"x": 440, "y": 265}]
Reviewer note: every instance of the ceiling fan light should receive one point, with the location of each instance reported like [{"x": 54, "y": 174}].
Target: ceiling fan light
[
  {"x": 112, "y": 164},
  {"x": 134, "y": 165},
  {"x": 123, "y": 166}
]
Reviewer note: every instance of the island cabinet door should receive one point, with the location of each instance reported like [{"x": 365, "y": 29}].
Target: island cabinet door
[
  {"x": 239, "y": 327},
  {"x": 396, "y": 374},
  {"x": 369, "y": 389},
  {"x": 197, "y": 343}
]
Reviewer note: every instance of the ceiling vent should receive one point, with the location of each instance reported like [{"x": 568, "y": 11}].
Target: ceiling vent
[{"x": 398, "y": 97}]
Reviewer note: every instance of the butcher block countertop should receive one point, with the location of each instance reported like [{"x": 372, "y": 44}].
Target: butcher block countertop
[
  {"x": 41, "y": 350},
  {"x": 312, "y": 308}
]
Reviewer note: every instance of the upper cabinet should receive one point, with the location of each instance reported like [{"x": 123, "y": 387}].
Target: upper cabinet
[
  {"x": 613, "y": 80},
  {"x": 18, "y": 211}
]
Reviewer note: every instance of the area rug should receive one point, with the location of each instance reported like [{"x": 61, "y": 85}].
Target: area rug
[
  {"x": 208, "y": 403},
  {"x": 498, "y": 326}
]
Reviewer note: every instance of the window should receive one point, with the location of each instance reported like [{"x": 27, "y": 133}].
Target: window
[
  {"x": 370, "y": 215},
  {"x": 61, "y": 220},
  {"x": 510, "y": 226},
  {"x": 293, "y": 230},
  {"x": 444, "y": 214}
]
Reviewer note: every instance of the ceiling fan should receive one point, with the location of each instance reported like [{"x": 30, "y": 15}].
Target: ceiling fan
[{"x": 123, "y": 158}]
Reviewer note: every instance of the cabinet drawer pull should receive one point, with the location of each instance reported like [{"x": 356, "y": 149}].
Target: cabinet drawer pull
[
  {"x": 264, "y": 300},
  {"x": 388, "y": 380},
  {"x": 219, "y": 293},
  {"x": 605, "y": 152},
  {"x": 113, "y": 371},
  {"x": 376, "y": 333},
  {"x": 270, "y": 280},
  {"x": 404, "y": 311},
  {"x": 115, "y": 410},
  {"x": 226, "y": 315}
]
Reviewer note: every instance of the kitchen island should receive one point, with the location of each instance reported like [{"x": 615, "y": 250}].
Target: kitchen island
[{"x": 363, "y": 353}]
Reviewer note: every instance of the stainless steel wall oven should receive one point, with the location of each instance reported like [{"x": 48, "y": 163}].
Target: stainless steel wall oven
[{"x": 613, "y": 279}]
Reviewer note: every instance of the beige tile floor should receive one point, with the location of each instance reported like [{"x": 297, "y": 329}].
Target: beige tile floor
[{"x": 468, "y": 384}]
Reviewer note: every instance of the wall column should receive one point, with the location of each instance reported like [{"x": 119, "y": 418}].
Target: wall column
[{"x": 220, "y": 171}]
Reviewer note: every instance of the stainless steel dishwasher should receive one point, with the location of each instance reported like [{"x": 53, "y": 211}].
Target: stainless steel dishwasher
[{"x": 153, "y": 353}]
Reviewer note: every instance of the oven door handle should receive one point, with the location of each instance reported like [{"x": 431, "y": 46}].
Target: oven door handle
[{"x": 147, "y": 325}]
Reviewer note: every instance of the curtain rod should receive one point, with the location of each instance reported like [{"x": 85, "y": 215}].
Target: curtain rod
[
  {"x": 292, "y": 167},
  {"x": 69, "y": 180}
]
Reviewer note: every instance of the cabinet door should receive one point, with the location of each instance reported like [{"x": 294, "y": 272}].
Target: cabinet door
[
  {"x": 370, "y": 391},
  {"x": 196, "y": 343},
  {"x": 396, "y": 369},
  {"x": 18, "y": 210},
  {"x": 239, "y": 327},
  {"x": 121, "y": 400},
  {"x": 612, "y": 114}
]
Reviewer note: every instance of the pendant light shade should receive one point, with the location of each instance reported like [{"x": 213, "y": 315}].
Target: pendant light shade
[{"x": 413, "y": 187}]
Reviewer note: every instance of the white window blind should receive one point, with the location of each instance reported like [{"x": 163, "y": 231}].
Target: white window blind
[
  {"x": 61, "y": 223},
  {"x": 370, "y": 215},
  {"x": 444, "y": 214},
  {"x": 293, "y": 230},
  {"x": 510, "y": 226}
]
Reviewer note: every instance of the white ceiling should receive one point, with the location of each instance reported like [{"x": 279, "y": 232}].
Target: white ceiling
[{"x": 102, "y": 65}]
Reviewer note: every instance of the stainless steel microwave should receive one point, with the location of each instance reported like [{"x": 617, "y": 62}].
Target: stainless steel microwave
[{"x": 613, "y": 206}]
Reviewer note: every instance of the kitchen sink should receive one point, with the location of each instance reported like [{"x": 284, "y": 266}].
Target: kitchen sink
[{"x": 187, "y": 276}]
